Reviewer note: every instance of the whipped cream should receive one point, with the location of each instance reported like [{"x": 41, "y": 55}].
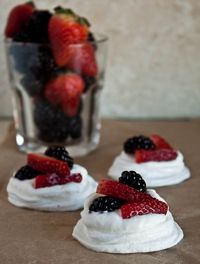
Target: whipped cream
[
  {"x": 67, "y": 197},
  {"x": 109, "y": 232},
  {"x": 154, "y": 173}
]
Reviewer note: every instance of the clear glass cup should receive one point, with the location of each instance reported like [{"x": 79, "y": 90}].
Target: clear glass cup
[{"x": 38, "y": 122}]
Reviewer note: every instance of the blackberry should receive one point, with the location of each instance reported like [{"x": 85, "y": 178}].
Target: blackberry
[
  {"x": 91, "y": 38},
  {"x": 139, "y": 142},
  {"x": 37, "y": 26},
  {"x": 90, "y": 82},
  {"x": 51, "y": 122},
  {"x": 133, "y": 179},
  {"x": 32, "y": 85},
  {"x": 60, "y": 153},
  {"x": 36, "y": 29},
  {"x": 26, "y": 173},
  {"x": 105, "y": 203},
  {"x": 75, "y": 127}
]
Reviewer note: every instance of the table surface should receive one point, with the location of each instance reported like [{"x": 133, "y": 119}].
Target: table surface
[{"x": 32, "y": 237}]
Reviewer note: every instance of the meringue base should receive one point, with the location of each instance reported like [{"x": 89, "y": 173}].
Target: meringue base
[
  {"x": 109, "y": 232},
  {"x": 155, "y": 174},
  {"x": 67, "y": 197}
]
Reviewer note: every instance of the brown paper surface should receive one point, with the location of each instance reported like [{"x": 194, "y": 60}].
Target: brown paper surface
[{"x": 32, "y": 237}]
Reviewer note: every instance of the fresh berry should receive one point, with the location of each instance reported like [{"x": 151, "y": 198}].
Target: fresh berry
[
  {"x": 133, "y": 179},
  {"x": 105, "y": 203},
  {"x": 60, "y": 153},
  {"x": 48, "y": 164},
  {"x": 121, "y": 191},
  {"x": 66, "y": 28},
  {"x": 92, "y": 40},
  {"x": 17, "y": 18},
  {"x": 90, "y": 83},
  {"x": 82, "y": 59},
  {"x": 138, "y": 142},
  {"x": 51, "y": 122},
  {"x": 160, "y": 142},
  {"x": 65, "y": 90},
  {"x": 155, "y": 155},
  {"x": 150, "y": 206},
  {"x": 26, "y": 173},
  {"x": 75, "y": 177},
  {"x": 30, "y": 32},
  {"x": 75, "y": 127},
  {"x": 48, "y": 180}
]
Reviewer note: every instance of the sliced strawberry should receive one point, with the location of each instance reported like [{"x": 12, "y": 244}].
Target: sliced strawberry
[
  {"x": 17, "y": 18},
  {"x": 76, "y": 177},
  {"x": 65, "y": 28},
  {"x": 160, "y": 142},
  {"x": 53, "y": 179},
  {"x": 150, "y": 206},
  {"x": 82, "y": 59},
  {"x": 46, "y": 180},
  {"x": 65, "y": 90},
  {"x": 48, "y": 165},
  {"x": 120, "y": 190},
  {"x": 155, "y": 155}
]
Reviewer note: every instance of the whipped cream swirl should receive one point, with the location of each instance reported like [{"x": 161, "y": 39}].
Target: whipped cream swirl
[
  {"x": 67, "y": 197},
  {"x": 109, "y": 232},
  {"x": 154, "y": 173}
]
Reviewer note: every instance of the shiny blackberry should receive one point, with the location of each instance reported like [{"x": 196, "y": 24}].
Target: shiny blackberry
[
  {"x": 105, "y": 203},
  {"x": 26, "y": 173},
  {"x": 133, "y": 179},
  {"x": 138, "y": 142},
  {"x": 60, "y": 153}
]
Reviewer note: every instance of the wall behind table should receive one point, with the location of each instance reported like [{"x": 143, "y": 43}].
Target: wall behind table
[{"x": 154, "y": 55}]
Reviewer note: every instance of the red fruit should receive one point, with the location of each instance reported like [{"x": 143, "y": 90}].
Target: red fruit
[
  {"x": 120, "y": 190},
  {"x": 82, "y": 59},
  {"x": 49, "y": 180},
  {"x": 48, "y": 164},
  {"x": 155, "y": 155},
  {"x": 65, "y": 28},
  {"x": 76, "y": 177},
  {"x": 150, "y": 206},
  {"x": 17, "y": 18},
  {"x": 65, "y": 90},
  {"x": 46, "y": 180},
  {"x": 160, "y": 142}
]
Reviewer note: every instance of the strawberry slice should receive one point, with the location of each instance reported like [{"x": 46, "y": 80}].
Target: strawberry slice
[
  {"x": 120, "y": 190},
  {"x": 49, "y": 180},
  {"x": 155, "y": 155},
  {"x": 65, "y": 90},
  {"x": 82, "y": 59},
  {"x": 48, "y": 165},
  {"x": 160, "y": 142},
  {"x": 150, "y": 206},
  {"x": 17, "y": 18},
  {"x": 65, "y": 28}
]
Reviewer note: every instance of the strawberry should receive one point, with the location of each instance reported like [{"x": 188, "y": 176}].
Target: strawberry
[
  {"x": 65, "y": 90},
  {"x": 160, "y": 142},
  {"x": 150, "y": 206},
  {"x": 65, "y": 28},
  {"x": 120, "y": 190},
  {"x": 82, "y": 59},
  {"x": 155, "y": 155},
  {"x": 48, "y": 164},
  {"x": 49, "y": 180},
  {"x": 17, "y": 18}
]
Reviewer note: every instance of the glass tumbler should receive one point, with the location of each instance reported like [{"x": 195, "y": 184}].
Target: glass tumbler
[{"x": 46, "y": 116}]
